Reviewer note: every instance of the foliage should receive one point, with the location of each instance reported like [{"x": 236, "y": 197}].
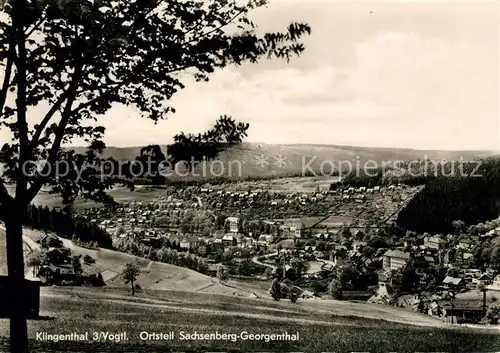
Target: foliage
[
  {"x": 130, "y": 274},
  {"x": 83, "y": 58},
  {"x": 443, "y": 200},
  {"x": 486, "y": 253},
  {"x": 77, "y": 264},
  {"x": 244, "y": 268},
  {"x": 88, "y": 259},
  {"x": 222, "y": 273},
  {"x": 53, "y": 242},
  {"x": 410, "y": 279},
  {"x": 348, "y": 276},
  {"x": 275, "y": 290},
  {"x": 92, "y": 56},
  {"x": 35, "y": 259},
  {"x": 492, "y": 316},
  {"x": 65, "y": 225},
  {"x": 165, "y": 254},
  {"x": 335, "y": 289},
  {"x": 193, "y": 149}
]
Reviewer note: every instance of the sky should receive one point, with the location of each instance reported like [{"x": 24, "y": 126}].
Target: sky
[{"x": 421, "y": 75}]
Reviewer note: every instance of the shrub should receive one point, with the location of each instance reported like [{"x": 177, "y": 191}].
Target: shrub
[
  {"x": 88, "y": 259},
  {"x": 335, "y": 289}
]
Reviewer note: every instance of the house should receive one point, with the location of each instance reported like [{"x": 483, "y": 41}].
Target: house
[
  {"x": 267, "y": 239},
  {"x": 202, "y": 250},
  {"x": 358, "y": 245},
  {"x": 247, "y": 242},
  {"x": 307, "y": 294},
  {"x": 430, "y": 260},
  {"x": 327, "y": 267},
  {"x": 395, "y": 259},
  {"x": 212, "y": 269},
  {"x": 434, "y": 309},
  {"x": 463, "y": 311},
  {"x": 43, "y": 240},
  {"x": 464, "y": 245},
  {"x": 185, "y": 244},
  {"x": 434, "y": 242},
  {"x": 483, "y": 279},
  {"x": 296, "y": 232},
  {"x": 58, "y": 256},
  {"x": 495, "y": 284},
  {"x": 56, "y": 273},
  {"x": 234, "y": 223},
  {"x": 453, "y": 283},
  {"x": 229, "y": 240}
]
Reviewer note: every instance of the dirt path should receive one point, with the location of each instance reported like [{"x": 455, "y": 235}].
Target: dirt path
[{"x": 255, "y": 260}]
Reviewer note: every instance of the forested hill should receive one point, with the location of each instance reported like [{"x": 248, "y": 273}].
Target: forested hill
[
  {"x": 262, "y": 159},
  {"x": 472, "y": 199}
]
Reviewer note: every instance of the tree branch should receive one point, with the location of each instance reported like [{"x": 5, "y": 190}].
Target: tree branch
[
  {"x": 120, "y": 85},
  {"x": 5, "y": 197},
  {"x": 21, "y": 104},
  {"x": 63, "y": 123},
  {"x": 8, "y": 73},
  {"x": 46, "y": 119},
  {"x": 124, "y": 82},
  {"x": 35, "y": 27}
]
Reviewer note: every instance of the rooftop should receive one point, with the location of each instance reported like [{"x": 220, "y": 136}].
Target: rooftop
[{"x": 397, "y": 253}]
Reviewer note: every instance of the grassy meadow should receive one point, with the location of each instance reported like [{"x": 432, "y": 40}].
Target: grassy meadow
[{"x": 111, "y": 310}]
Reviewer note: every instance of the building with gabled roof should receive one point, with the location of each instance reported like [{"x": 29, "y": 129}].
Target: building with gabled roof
[{"x": 395, "y": 259}]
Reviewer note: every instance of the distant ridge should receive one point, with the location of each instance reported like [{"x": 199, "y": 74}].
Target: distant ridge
[{"x": 261, "y": 159}]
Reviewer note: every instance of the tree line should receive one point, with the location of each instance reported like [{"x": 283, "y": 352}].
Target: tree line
[
  {"x": 164, "y": 254},
  {"x": 64, "y": 225},
  {"x": 469, "y": 191},
  {"x": 444, "y": 199}
]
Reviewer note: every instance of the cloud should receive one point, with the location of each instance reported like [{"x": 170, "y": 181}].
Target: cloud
[
  {"x": 381, "y": 86},
  {"x": 399, "y": 82}
]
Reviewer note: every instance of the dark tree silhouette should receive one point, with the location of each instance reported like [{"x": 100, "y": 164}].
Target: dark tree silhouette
[
  {"x": 82, "y": 57},
  {"x": 130, "y": 274},
  {"x": 192, "y": 149},
  {"x": 187, "y": 150}
]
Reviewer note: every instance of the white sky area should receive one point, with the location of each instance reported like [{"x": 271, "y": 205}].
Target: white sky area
[{"x": 421, "y": 75}]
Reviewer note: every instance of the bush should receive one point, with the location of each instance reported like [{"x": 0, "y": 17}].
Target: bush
[
  {"x": 53, "y": 242},
  {"x": 335, "y": 289},
  {"x": 222, "y": 273},
  {"x": 88, "y": 259}
]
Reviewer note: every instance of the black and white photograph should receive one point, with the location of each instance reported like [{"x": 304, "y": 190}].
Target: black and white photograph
[{"x": 249, "y": 176}]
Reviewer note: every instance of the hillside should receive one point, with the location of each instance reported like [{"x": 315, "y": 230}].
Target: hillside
[
  {"x": 112, "y": 310},
  {"x": 268, "y": 159},
  {"x": 473, "y": 199},
  {"x": 154, "y": 275},
  {"x": 177, "y": 299}
]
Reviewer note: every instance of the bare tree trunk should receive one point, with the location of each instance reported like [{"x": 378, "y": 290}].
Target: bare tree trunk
[
  {"x": 132, "y": 284},
  {"x": 484, "y": 301},
  {"x": 17, "y": 290}
]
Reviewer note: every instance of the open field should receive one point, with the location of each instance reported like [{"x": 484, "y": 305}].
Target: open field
[
  {"x": 44, "y": 198},
  {"x": 111, "y": 310},
  {"x": 286, "y": 185}
]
